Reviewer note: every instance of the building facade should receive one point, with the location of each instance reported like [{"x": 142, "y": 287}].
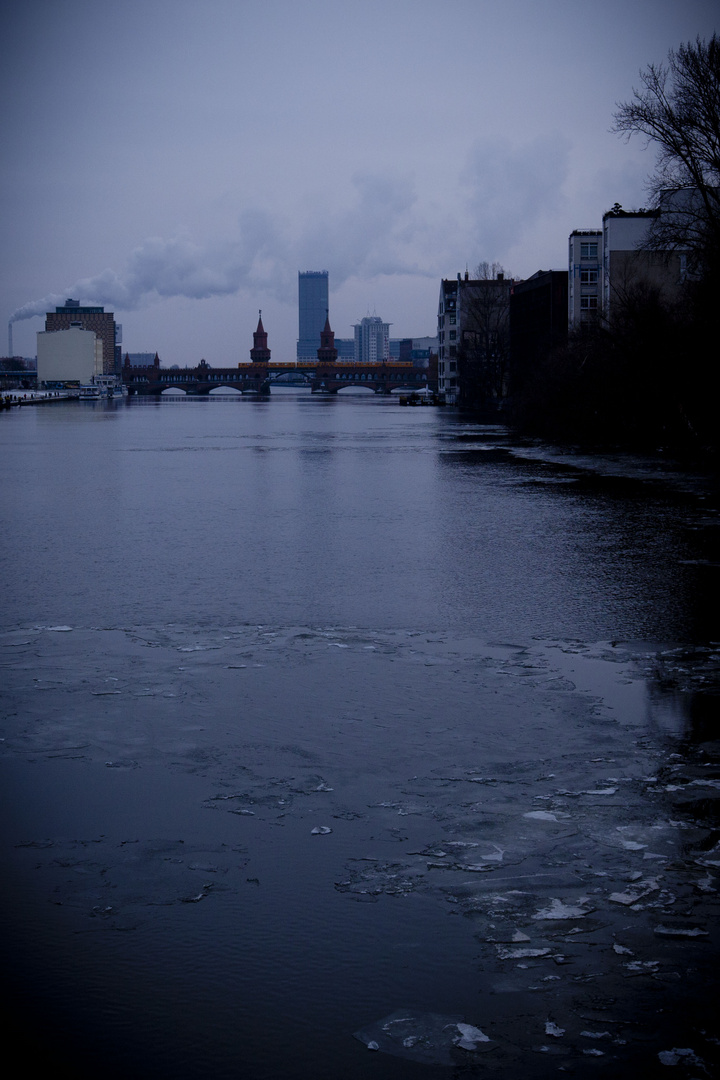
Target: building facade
[
  {"x": 102, "y": 324},
  {"x": 585, "y": 276},
  {"x": 448, "y": 339},
  {"x": 474, "y": 340},
  {"x": 630, "y": 267},
  {"x": 141, "y": 359},
  {"x": 313, "y": 308},
  {"x": 66, "y": 356},
  {"x": 372, "y": 340},
  {"x": 346, "y": 350},
  {"x": 538, "y": 324}
]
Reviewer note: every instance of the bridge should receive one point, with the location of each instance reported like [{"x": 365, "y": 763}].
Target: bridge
[{"x": 257, "y": 378}]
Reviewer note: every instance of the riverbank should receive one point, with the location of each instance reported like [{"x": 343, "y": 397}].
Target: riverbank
[{"x": 13, "y": 398}]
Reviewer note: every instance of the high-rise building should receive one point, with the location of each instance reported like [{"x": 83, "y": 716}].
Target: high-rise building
[
  {"x": 101, "y": 322},
  {"x": 372, "y": 340},
  {"x": 313, "y": 310}
]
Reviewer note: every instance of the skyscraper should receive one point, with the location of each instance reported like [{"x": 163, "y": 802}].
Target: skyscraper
[
  {"x": 312, "y": 310},
  {"x": 372, "y": 340}
]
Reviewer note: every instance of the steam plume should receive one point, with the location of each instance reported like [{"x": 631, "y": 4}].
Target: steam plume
[{"x": 376, "y": 234}]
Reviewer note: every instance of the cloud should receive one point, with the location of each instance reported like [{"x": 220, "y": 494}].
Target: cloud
[
  {"x": 373, "y": 235},
  {"x": 510, "y": 188}
]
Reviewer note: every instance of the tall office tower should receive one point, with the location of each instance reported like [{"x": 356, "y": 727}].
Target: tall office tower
[
  {"x": 89, "y": 318},
  {"x": 313, "y": 311},
  {"x": 372, "y": 340}
]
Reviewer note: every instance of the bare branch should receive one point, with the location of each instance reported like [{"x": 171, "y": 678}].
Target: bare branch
[{"x": 677, "y": 108}]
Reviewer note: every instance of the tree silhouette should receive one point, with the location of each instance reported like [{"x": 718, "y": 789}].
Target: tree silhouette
[{"x": 678, "y": 110}]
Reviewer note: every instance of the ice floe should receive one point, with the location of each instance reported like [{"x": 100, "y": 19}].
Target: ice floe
[
  {"x": 560, "y": 910},
  {"x": 551, "y": 1028},
  {"x": 430, "y": 1038}
]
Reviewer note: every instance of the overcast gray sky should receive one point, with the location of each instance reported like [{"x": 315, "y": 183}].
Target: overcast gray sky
[{"x": 180, "y": 161}]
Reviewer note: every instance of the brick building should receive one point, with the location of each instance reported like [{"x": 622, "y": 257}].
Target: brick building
[{"x": 89, "y": 318}]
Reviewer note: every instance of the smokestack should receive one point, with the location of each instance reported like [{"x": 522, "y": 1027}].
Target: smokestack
[{"x": 10, "y": 348}]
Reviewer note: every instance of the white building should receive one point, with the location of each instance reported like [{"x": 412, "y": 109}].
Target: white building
[
  {"x": 372, "y": 340},
  {"x": 448, "y": 339},
  {"x": 473, "y": 334},
  {"x": 629, "y": 266},
  {"x": 68, "y": 356},
  {"x": 585, "y": 276}
]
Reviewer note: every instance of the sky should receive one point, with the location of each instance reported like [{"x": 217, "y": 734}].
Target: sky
[{"x": 180, "y": 162}]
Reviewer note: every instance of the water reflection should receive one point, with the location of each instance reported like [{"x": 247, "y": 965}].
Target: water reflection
[{"x": 315, "y": 709}]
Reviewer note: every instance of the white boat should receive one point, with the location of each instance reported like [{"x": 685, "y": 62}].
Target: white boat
[
  {"x": 90, "y": 393},
  {"x": 102, "y": 386}
]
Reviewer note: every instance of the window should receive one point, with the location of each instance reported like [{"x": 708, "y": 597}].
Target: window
[
  {"x": 453, "y": 350},
  {"x": 453, "y": 335},
  {"x": 588, "y": 251},
  {"x": 588, "y": 277},
  {"x": 452, "y": 319},
  {"x": 453, "y": 365},
  {"x": 588, "y": 303}
]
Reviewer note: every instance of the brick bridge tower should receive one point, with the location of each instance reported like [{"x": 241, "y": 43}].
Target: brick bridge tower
[
  {"x": 327, "y": 353},
  {"x": 260, "y": 354}
]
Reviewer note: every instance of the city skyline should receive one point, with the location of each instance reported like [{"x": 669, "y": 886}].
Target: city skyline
[{"x": 184, "y": 183}]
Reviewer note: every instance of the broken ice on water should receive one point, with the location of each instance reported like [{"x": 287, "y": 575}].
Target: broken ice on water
[
  {"x": 430, "y": 1038},
  {"x": 559, "y": 910}
]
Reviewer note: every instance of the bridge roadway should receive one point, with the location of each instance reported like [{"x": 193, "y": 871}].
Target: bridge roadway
[{"x": 322, "y": 377}]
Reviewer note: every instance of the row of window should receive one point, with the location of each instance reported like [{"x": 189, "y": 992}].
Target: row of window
[{"x": 452, "y": 351}]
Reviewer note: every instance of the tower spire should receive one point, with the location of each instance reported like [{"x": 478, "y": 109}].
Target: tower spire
[
  {"x": 260, "y": 354},
  {"x": 327, "y": 353}
]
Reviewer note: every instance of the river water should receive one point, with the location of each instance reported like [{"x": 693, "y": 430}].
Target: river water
[{"x": 325, "y": 718}]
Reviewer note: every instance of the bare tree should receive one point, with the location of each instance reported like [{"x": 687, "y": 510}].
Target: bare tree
[{"x": 678, "y": 109}]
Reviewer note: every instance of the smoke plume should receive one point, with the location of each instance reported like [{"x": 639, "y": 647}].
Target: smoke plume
[{"x": 377, "y": 233}]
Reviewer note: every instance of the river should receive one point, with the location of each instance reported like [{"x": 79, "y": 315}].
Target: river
[{"x": 323, "y": 717}]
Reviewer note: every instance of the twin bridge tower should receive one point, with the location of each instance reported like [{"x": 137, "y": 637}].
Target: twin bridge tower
[{"x": 324, "y": 375}]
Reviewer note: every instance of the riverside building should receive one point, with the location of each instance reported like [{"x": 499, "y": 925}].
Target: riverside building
[
  {"x": 585, "y": 276},
  {"x": 101, "y": 322}
]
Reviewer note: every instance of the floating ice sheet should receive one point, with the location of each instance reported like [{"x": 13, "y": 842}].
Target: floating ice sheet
[
  {"x": 430, "y": 1038},
  {"x": 560, "y": 910}
]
